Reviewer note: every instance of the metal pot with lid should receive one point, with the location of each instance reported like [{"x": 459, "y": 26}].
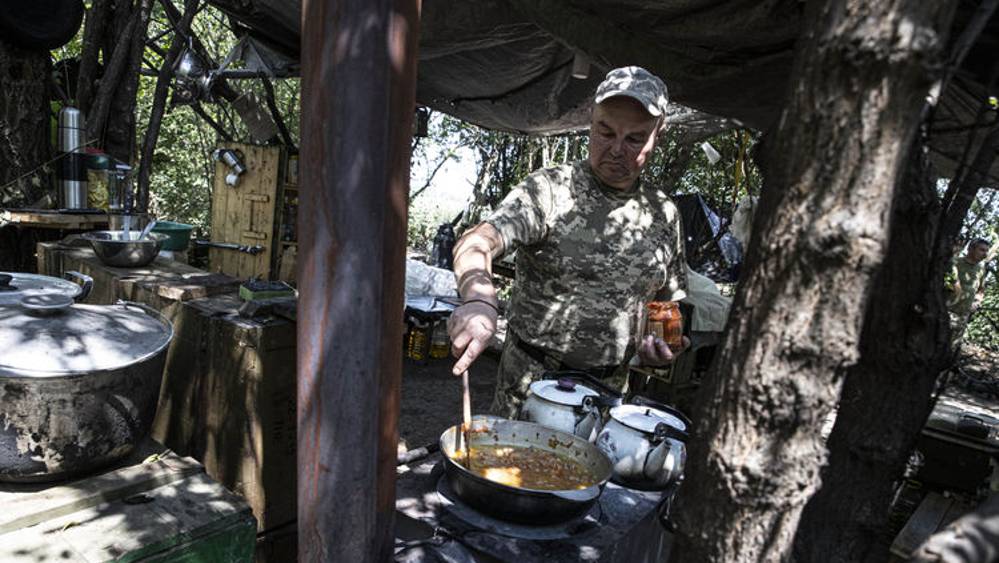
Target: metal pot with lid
[
  {"x": 646, "y": 443},
  {"x": 562, "y": 402},
  {"x": 79, "y": 384},
  {"x": 14, "y": 286}
]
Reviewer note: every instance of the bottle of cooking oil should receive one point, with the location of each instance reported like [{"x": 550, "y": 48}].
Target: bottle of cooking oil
[
  {"x": 417, "y": 349},
  {"x": 439, "y": 340}
]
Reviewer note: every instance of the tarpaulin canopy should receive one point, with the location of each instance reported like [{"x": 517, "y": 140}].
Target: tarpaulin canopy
[{"x": 507, "y": 64}]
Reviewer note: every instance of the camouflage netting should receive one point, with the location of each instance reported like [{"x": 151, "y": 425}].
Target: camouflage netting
[{"x": 507, "y": 64}]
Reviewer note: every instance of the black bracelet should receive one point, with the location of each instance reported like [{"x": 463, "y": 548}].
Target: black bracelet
[{"x": 495, "y": 308}]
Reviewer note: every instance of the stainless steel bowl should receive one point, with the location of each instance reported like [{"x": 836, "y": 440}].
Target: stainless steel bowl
[{"x": 115, "y": 250}]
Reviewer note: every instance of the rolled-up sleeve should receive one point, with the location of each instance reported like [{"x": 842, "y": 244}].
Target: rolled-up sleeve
[{"x": 523, "y": 217}]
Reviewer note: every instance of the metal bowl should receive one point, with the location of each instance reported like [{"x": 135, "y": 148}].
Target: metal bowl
[
  {"x": 518, "y": 504},
  {"x": 115, "y": 250}
]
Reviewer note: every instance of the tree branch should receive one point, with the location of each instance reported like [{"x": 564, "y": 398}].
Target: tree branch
[
  {"x": 276, "y": 114},
  {"x": 159, "y": 101}
]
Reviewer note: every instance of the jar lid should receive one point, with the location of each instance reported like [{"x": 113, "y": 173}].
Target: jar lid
[
  {"x": 562, "y": 391},
  {"x": 645, "y": 419},
  {"x": 14, "y": 286},
  {"x": 78, "y": 340}
]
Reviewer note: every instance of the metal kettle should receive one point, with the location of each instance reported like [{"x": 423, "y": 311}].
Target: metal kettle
[
  {"x": 569, "y": 401},
  {"x": 646, "y": 442},
  {"x": 563, "y": 405}
]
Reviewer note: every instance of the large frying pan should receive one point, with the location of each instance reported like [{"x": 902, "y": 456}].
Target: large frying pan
[{"x": 514, "y": 503}]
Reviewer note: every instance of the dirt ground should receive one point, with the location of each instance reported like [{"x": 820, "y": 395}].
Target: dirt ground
[{"x": 431, "y": 397}]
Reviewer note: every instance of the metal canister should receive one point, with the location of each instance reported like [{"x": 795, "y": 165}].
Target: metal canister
[{"x": 72, "y": 169}]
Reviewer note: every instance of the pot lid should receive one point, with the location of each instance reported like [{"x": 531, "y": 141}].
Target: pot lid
[
  {"x": 15, "y": 285},
  {"x": 562, "y": 391},
  {"x": 645, "y": 419},
  {"x": 78, "y": 340}
]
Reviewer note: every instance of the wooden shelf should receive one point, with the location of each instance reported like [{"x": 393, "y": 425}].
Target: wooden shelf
[
  {"x": 293, "y": 187},
  {"x": 289, "y": 243}
]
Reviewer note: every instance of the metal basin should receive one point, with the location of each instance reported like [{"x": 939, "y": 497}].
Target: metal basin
[
  {"x": 114, "y": 249},
  {"x": 78, "y": 389},
  {"x": 518, "y": 504}
]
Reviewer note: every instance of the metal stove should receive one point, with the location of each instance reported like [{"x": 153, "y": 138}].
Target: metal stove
[{"x": 434, "y": 525}]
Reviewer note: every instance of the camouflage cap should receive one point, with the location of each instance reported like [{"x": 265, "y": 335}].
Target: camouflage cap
[{"x": 634, "y": 82}]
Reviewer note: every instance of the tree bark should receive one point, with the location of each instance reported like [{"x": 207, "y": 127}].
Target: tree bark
[
  {"x": 886, "y": 396},
  {"x": 859, "y": 78},
  {"x": 120, "y": 131},
  {"x": 93, "y": 32},
  {"x": 159, "y": 102},
  {"x": 24, "y": 125}
]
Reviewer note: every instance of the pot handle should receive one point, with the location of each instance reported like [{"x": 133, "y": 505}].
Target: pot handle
[{"x": 86, "y": 283}]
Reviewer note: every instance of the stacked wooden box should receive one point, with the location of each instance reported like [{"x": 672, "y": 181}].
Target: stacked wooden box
[{"x": 228, "y": 395}]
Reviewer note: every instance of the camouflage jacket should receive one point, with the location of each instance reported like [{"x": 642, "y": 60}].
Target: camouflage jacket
[
  {"x": 961, "y": 295},
  {"x": 588, "y": 257}
]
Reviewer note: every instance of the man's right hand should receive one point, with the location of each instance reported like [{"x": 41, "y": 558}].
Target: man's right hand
[{"x": 471, "y": 327}]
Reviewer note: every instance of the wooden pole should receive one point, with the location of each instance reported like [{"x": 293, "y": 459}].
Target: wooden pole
[{"x": 358, "y": 77}]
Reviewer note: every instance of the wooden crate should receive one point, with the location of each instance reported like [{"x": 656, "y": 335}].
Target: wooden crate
[
  {"x": 229, "y": 386},
  {"x": 245, "y": 214},
  {"x": 229, "y": 400},
  {"x": 151, "y": 509}
]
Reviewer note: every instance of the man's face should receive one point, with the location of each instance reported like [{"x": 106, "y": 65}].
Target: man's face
[
  {"x": 622, "y": 135},
  {"x": 977, "y": 253}
]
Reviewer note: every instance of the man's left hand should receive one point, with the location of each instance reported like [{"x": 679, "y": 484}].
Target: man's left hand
[{"x": 654, "y": 352}]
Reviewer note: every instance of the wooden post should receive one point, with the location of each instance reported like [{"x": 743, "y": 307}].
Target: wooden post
[{"x": 358, "y": 74}]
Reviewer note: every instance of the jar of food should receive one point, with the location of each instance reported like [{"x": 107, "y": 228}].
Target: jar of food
[{"x": 664, "y": 320}]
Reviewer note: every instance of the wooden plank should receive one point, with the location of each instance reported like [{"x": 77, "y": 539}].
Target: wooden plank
[
  {"x": 23, "y": 509},
  {"x": 927, "y": 519},
  {"x": 38, "y": 219},
  {"x": 192, "y": 519},
  {"x": 245, "y": 214}
]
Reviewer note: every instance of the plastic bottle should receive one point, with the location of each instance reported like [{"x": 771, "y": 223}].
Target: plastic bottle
[
  {"x": 439, "y": 340},
  {"x": 417, "y": 349}
]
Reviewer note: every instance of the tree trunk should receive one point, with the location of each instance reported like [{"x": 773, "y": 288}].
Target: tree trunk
[
  {"x": 886, "y": 396},
  {"x": 24, "y": 125},
  {"x": 119, "y": 139},
  {"x": 159, "y": 102},
  {"x": 859, "y": 79}
]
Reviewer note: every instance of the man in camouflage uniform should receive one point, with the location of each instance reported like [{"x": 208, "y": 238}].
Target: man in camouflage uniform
[
  {"x": 965, "y": 286},
  {"x": 593, "y": 246}
]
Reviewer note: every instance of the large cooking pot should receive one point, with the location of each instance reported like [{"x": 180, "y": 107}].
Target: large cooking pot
[
  {"x": 14, "y": 286},
  {"x": 515, "y": 503},
  {"x": 78, "y": 386}
]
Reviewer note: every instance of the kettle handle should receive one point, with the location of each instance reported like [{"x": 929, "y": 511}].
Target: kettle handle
[{"x": 646, "y": 402}]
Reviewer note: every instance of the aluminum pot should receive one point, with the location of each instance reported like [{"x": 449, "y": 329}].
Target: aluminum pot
[
  {"x": 115, "y": 249},
  {"x": 515, "y": 503},
  {"x": 14, "y": 286},
  {"x": 79, "y": 387}
]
